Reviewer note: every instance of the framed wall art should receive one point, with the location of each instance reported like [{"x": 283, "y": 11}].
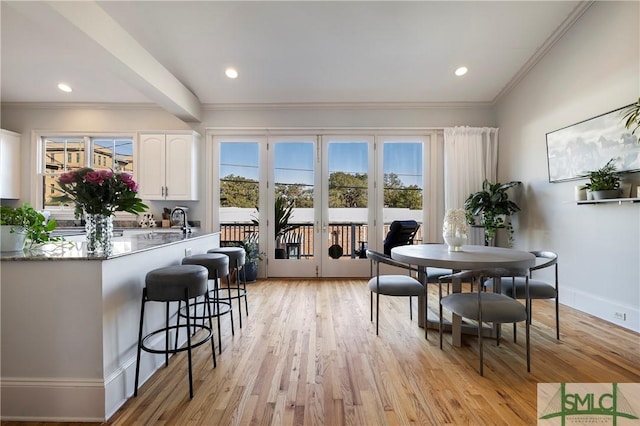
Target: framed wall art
[{"x": 574, "y": 151}]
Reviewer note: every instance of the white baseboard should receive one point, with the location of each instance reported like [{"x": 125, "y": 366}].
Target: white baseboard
[
  {"x": 78, "y": 400},
  {"x": 29, "y": 399},
  {"x": 601, "y": 308}
]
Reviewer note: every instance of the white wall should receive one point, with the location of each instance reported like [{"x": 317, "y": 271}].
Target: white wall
[{"x": 593, "y": 69}]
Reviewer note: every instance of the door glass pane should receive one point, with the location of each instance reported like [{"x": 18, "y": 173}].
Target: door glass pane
[
  {"x": 293, "y": 194},
  {"x": 403, "y": 183},
  {"x": 348, "y": 199},
  {"x": 239, "y": 191}
]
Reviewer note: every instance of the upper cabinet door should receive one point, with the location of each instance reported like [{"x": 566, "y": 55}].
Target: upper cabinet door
[
  {"x": 151, "y": 167},
  {"x": 181, "y": 167},
  {"x": 168, "y": 166},
  {"x": 9, "y": 164}
]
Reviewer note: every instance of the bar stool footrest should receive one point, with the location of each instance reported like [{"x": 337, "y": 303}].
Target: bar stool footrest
[
  {"x": 225, "y": 307},
  {"x": 194, "y": 344}
]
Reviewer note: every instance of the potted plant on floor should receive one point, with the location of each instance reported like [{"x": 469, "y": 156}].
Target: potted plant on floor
[
  {"x": 19, "y": 224},
  {"x": 491, "y": 209},
  {"x": 604, "y": 183},
  {"x": 283, "y": 209},
  {"x": 253, "y": 255}
]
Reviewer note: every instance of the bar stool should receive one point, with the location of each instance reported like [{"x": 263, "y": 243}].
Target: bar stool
[
  {"x": 236, "y": 262},
  {"x": 174, "y": 284},
  {"x": 218, "y": 266}
]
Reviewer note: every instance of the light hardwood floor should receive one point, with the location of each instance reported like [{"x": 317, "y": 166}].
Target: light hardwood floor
[{"x": 308, "y": 355}]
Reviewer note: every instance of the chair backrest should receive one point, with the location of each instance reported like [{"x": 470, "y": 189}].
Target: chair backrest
[
  {"x": 377, "y": 258},
  {"x": 401, "y": 233},
  {"x": 477, "y": 276},
  {"x": 552, "y": 259}
]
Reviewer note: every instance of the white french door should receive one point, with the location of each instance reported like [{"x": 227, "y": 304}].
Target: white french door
[
  {"x": 325, "y": 181},
  {"x": 315, "y": 203},
  {"x": 348, "y": 204}
]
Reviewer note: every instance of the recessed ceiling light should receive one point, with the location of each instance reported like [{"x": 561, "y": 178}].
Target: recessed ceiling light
[
  {"x": 461, "y": 71},
  {"x": 64, "y": 87},
  {"x": 231, "y": 72}
]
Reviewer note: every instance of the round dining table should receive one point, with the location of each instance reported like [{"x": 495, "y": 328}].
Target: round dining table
[{"x": 470, "y": 257}]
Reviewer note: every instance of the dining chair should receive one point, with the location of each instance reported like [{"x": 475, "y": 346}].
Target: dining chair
[
  {"x": 392, "y": 284},
  {"x": 538, "y": 288},
  {"x": 482, "y": 306}
]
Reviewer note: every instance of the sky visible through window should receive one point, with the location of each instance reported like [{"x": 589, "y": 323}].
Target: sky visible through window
[{"x": 242, "y": 159}]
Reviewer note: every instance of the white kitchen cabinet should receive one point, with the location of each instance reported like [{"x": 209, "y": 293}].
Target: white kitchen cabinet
[
  {"x": 9, "y": 164},
  {"x": 168, "y": 166}
]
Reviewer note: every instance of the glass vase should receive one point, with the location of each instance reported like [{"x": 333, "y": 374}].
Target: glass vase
[{"x": 99, "y": 230}]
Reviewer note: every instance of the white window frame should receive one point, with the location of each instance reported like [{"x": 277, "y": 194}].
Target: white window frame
[{"x": 39, "y": 162}]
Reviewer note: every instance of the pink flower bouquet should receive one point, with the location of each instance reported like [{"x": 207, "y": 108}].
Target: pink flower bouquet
[{"x": 100, "y": 192}]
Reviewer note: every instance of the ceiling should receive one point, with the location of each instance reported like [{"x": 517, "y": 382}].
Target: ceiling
[{"x": 174, "y": 53}]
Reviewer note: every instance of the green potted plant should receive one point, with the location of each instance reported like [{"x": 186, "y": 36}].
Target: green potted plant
[
  {"x": 24, "y": 223},
  {"x": 283, "y": 209},
  {"x": 491, "y": 208},
  {"x": 604, "y": 183},
  {"x": 631, "y": 116},
  {"x": 253, "y": 255}
]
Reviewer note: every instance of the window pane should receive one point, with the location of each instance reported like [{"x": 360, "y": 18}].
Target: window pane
[
  {"x": 239, "y": 190},
  {"x": 58, "y": 154},
  {"x": 116, "y": 154},
  {"x": 403, "y": 171}
]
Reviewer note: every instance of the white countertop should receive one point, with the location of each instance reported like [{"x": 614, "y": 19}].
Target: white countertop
[{"x": 131, "y": 242}]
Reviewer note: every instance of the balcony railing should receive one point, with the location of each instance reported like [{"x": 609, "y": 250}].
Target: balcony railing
[{"x": 352, "y": 237}]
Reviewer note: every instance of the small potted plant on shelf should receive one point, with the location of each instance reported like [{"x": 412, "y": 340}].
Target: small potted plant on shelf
[
  {"x": 604, "y": 183},
  {"x": 19, "y": 224},
  {"x": 491, "y": 209}
]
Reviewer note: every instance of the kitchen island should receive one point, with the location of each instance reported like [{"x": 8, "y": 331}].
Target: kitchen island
[{"x": 69, "y": 324}]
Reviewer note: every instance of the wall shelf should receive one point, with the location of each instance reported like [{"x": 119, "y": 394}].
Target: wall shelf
[{"x": 611, "y": 200}]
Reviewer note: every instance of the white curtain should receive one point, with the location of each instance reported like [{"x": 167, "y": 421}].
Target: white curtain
[{"x": 470, "y": 157}]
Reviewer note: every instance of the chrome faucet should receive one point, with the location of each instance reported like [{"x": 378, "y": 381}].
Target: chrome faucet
[{"x": 185, "y": 224}]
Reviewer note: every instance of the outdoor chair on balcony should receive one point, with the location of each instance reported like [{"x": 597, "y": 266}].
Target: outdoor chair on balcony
[{"x": 401, "y": 233}]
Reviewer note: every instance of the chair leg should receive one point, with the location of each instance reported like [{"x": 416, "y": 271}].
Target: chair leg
[
  {"x": 144, "y": 297},
  {"x": 166, "y": 335},
  {"x": 377, "y": 312},
  {"x": 480, "y": 347},
  {"x": 557, "y": 319},
  {"x": 186, "y": 301},
  {"x": 528, "y": 344},
  {"x": 440, "y": 326},
  {"x": 207, "y": 300}
]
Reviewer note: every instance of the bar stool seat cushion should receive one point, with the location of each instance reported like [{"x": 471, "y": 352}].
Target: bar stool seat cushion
[
  {"x": 168, "y": 284},
  {"x": 214, "y": 262},
  {"x": 236, "y": 254}
]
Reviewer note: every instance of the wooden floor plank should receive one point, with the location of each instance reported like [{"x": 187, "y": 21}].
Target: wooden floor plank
[{"x": 308, "y": 355}]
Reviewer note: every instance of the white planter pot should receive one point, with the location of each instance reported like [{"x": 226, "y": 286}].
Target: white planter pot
[{"x": 12, "y": 241}]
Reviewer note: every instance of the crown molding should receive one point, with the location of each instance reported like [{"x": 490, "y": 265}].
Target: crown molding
[
  {"x": 341, "y": 105},
  {"x": 571, "y": 19},
  {"x": 83, "y": 105}
]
